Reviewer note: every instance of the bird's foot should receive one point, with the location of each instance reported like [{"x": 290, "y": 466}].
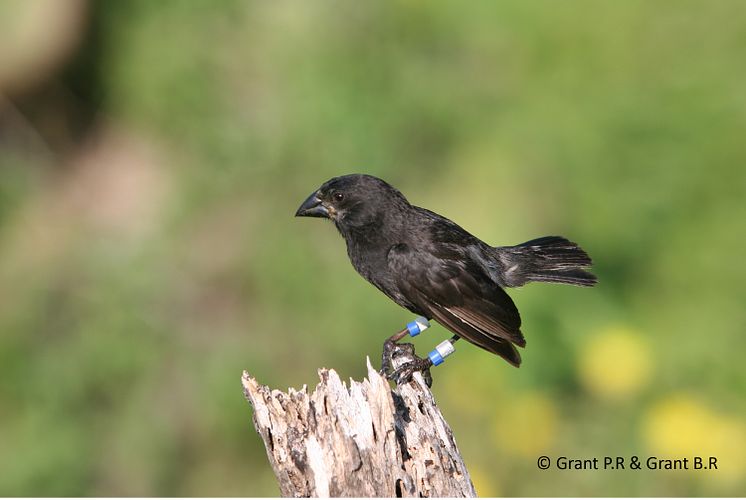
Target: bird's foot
[
  {"x": 393, "y": 350},
  {"x": 405, "y": 371}
]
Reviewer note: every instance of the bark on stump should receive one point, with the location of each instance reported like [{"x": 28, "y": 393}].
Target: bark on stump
[{"x": 362, "y": 440}]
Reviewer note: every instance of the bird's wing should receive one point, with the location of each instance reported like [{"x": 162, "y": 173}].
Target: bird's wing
[{"x": 453, "y": 290}]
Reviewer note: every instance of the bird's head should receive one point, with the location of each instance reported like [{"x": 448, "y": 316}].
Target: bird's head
[{"x": 351, "y": 200}]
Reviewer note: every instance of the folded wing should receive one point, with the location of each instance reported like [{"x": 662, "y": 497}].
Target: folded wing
[{"x": 450, "y": 288}]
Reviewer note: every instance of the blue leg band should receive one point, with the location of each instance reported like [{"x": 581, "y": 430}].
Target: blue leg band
[
  {"x": 441, "y": 352},
  {"x": 413, "y": 328},
  {"x": 435, "y": 357},
  {"x": 419, "y": 325}
]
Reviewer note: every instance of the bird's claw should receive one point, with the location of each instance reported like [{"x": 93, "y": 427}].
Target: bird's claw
[
  {"x": 393, "y": 350},
  {"x": 404, "y": 372}
]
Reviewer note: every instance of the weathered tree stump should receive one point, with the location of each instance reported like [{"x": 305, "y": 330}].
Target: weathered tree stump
[{"x": 362, "y": 440}]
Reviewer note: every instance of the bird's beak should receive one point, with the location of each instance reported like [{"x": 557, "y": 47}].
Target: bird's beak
[{"x": 312, "y": 207}]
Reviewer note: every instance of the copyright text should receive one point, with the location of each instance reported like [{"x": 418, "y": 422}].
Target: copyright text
[{"x": 627, "y": 463}]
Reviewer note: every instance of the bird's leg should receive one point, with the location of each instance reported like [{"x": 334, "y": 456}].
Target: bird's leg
[
  {"x": 391, "y": 348},
  {"x": 436, "y": 357}
]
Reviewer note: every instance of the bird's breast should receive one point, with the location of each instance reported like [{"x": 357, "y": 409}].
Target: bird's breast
[{"x": 370, "y": 261}]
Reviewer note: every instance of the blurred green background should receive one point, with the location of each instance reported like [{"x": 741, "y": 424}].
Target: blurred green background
[{"x": 152, "y": 155}]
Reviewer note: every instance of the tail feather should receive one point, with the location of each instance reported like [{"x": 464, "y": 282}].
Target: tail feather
[{"x": 552, "y": 259}]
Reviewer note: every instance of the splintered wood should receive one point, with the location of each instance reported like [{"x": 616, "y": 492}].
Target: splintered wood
[{"x": 361, "y": 440}]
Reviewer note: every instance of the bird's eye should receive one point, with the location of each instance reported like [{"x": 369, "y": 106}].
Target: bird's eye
[{"x": 338, "y": 196}]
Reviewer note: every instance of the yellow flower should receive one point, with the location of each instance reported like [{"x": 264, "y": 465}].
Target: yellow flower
[
  {"x": 615, "y": 363},
  {"x": 679, "y": 426},
  {"x": 526, "y": 426}
]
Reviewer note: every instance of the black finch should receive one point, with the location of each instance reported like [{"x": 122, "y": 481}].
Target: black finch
[{"x": 434, "y": 268}]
